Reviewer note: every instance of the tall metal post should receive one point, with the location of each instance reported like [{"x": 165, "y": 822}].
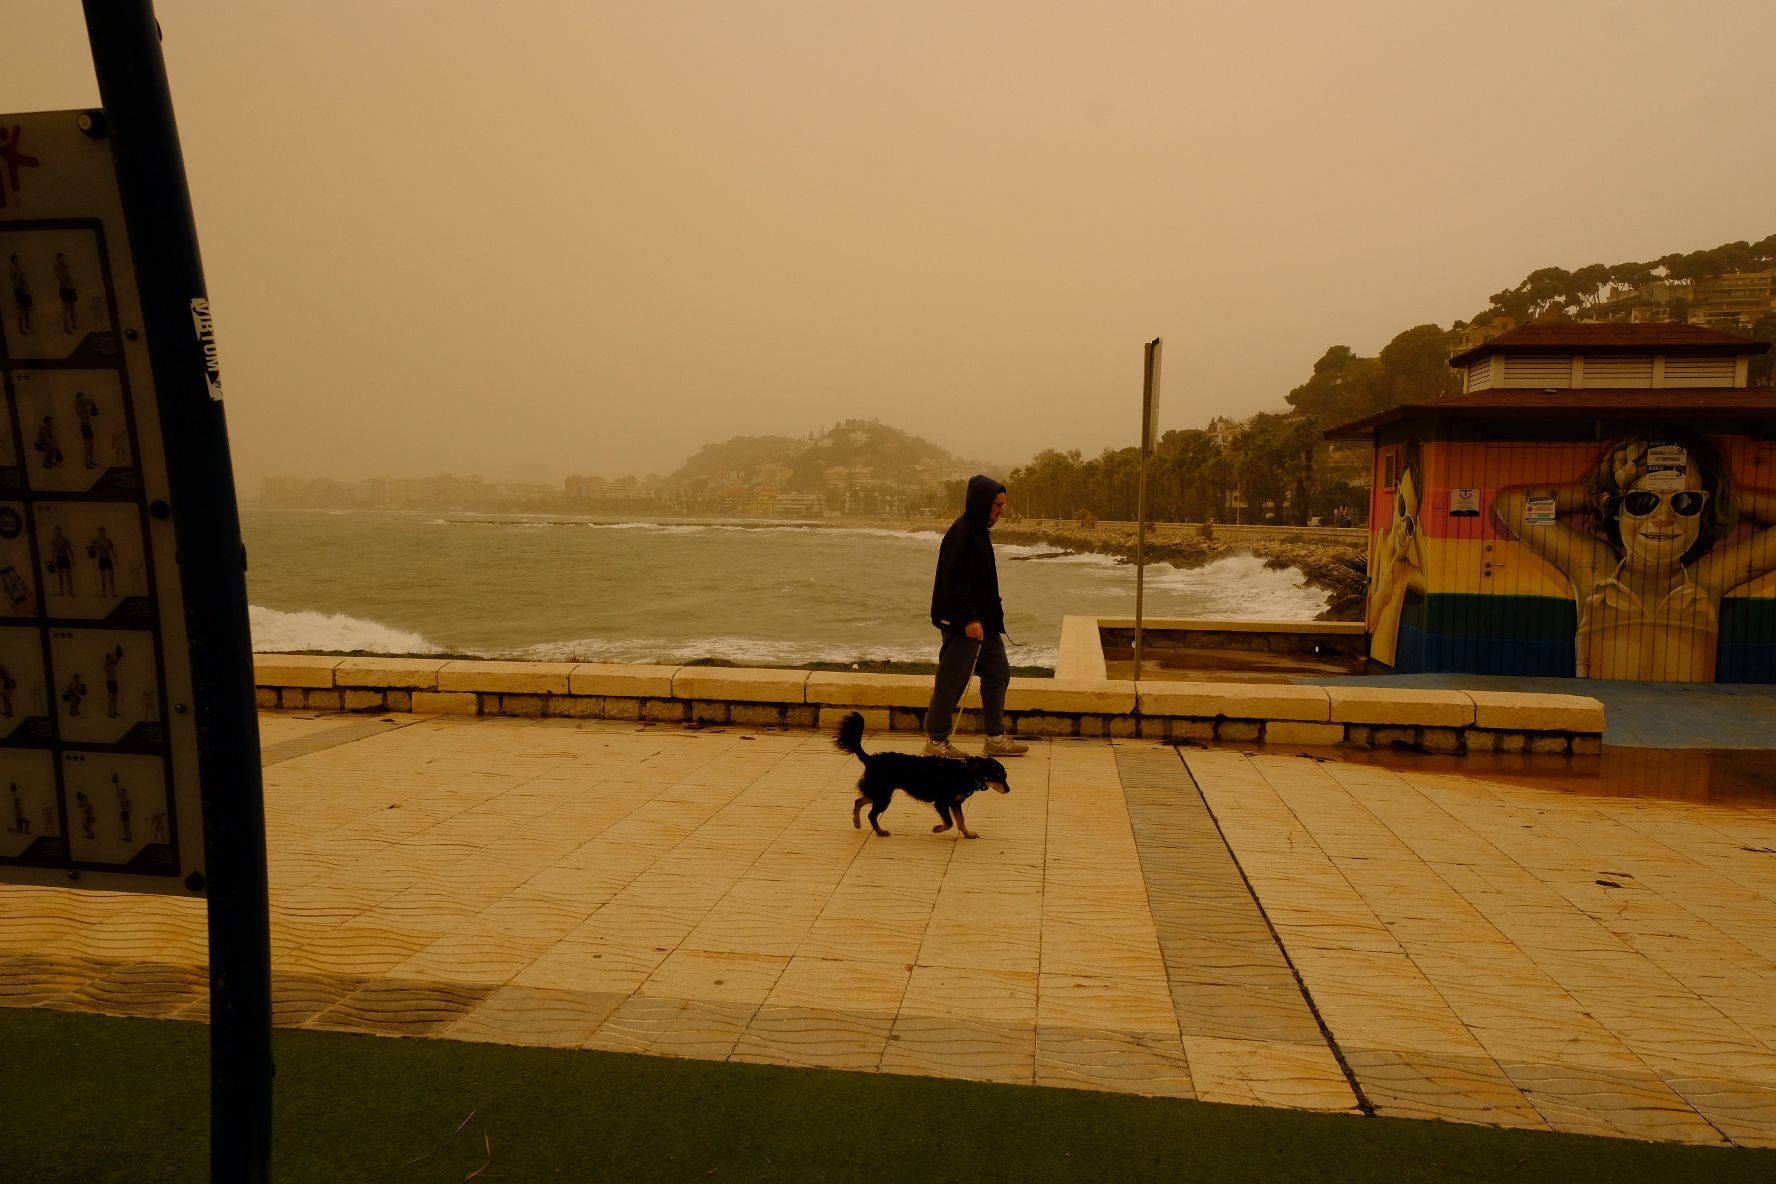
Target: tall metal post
[
  {"x": 138, "y": 114},
  {"x": 1149, "y": 433}
]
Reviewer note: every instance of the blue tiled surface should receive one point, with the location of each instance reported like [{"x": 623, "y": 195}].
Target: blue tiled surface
[{"x": 1637, "y": 714}]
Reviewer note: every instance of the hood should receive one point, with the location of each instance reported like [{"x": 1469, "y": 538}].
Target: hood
[{"x": 978, "y": 506}]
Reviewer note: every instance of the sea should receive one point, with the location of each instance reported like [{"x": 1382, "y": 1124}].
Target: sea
[{"x": 559, "y": 588}]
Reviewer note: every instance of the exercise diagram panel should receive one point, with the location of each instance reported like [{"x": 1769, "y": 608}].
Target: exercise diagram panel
[{"x": 97, "y": 745}]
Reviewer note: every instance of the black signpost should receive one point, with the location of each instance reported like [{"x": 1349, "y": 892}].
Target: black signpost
[{"x": 137, "y": 117}]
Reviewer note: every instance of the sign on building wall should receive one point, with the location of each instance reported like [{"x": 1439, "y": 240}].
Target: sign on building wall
[{"x": 98, "y": 748}]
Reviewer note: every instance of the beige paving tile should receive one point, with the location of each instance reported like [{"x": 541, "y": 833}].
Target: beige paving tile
[
  {"x": 971, "y": 1050},
  {"x": 841, "y": 985},
  {"x": 1136, "y": 1007},
  {"x": 1087, "y": 1058},
  {"x": 1440, "y": 1086},
  {"x": 1267, "y": 1073},
  {"x": 715, "y": 977},
  {"x": 814, "y": 1038},
  {"x": 538, "y": 1017}
]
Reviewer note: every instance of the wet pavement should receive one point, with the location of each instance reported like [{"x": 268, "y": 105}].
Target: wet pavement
[{"x": 1440, "y": 941}]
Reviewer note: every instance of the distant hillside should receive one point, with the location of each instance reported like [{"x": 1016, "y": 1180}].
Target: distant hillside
[
  {"x": 891, "y": 456},
  {"x": 741, "y": 454}
]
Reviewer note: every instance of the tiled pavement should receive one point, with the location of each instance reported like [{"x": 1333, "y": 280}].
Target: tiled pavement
[{"x": 1231, "y": 926}]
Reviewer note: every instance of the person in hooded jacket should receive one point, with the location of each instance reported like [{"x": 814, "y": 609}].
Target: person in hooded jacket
[{"x": 965, "y": 605}]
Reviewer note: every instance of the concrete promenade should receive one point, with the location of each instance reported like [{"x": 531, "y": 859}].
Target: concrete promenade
[{"x": 1235, "y": 926}]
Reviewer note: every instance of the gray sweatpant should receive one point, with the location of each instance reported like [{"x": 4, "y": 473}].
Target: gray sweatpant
[{"x": 960, "y": 657}]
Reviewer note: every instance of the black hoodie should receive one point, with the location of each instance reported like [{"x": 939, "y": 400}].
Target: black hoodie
[{"x": 967, "y": 584}]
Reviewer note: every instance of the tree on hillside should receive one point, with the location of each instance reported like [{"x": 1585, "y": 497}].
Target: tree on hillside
[
  {"x": 1414, "y": 369},
  {"x": 1340, "y": 389}
]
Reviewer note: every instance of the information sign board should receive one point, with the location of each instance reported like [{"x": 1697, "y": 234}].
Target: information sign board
[{"x": 98, "y": 745}]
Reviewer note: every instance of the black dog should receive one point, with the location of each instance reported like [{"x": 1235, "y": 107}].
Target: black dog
[{"x": 943, "y": 781}]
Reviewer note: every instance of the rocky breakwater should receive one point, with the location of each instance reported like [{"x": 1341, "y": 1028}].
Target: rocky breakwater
[{"x": 1329, "y": 558}]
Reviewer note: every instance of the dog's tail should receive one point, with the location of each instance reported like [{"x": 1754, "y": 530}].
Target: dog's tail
[{"x": 850, "y": 736}]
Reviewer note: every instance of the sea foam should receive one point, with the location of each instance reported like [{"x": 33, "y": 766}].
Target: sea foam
[{"x": 276, "y": 632}]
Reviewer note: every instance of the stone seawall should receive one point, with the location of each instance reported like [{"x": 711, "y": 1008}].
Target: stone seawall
[{"x": 1366, "y": 717}]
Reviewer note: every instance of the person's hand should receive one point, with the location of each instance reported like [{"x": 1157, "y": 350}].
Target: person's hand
[
  {"x": 975, "y": 631},
  {"x": 1628, "y": 465}
]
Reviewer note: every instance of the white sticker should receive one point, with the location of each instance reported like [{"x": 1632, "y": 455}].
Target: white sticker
[
  {"x": 1667, "y": 466},
  {"x": 1464, "y": 503},
  {"x": 1538, "y": 511}
]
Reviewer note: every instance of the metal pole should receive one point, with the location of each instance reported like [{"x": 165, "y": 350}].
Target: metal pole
[
  {"x": 1149, "y": 397},
  {"x": 138, "y": 111}
]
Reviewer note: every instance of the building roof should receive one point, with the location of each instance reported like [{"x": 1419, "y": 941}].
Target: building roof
[
  {"x": 1521, "y": 403},
  {"x": 1654, "y": 337}
]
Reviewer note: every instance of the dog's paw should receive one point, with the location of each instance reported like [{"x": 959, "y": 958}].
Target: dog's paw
[
  {"x": 968, "y": 834},
  {"x": 940, "y": 828}
]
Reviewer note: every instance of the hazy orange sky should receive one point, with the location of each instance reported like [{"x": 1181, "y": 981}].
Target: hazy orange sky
[{"x": 532, "y": 239}]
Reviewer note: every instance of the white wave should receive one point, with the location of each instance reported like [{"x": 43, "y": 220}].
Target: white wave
[
  {"x": 1241, "y": 587},
  {"x": 277, "y": 632},
  {"x": 743, "y": 650}
]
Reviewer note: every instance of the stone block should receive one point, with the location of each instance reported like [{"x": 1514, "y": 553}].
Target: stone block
[
  {"x": 1036, "y": 723},
  {"x": 1123, "y": 727},
  {"x": 1069, "y": 695},
  {"x": 1394, "y": 737},
  {"x": 293, "y": 670},
  {"x": 400, "y": 700},
  {"x": 412, "y": 674},
  {"x": 292, "y": 698},
  {"x": 1549, "y": 745},
  {"x": 875, "y": 719},
  {"x": 621, "y": 707},
  {"x": 838, "y": 687},
  {"x": 1200, "y": 730},
  {"x": 1479, "y": 740},
  {"x": 361, "y": 700},
  {"x": 503, "y": 678},
  {"x": 631, "y": 682},
  {"x": 710, "y": 683},
  {"x": 709, "y": 711},
  {"x": 445, "y": 703},
  {"x": 967, "y": 724},
  {"x": 576, "y": 706},
  {"x": 1512, "y": 742},
  {"x": 1360, "y": 735},
  {"x": 1446, "y": 740},
  {"x": 673, "y": 711},
  {"x": 801, "y": 716},
  {"x": 1094, "y": 725},
  {"x": 528, "y": 706},
  {"x": 1400, "y": 706},
  {"x": 1281, "y": 731},
  {"x": 265, "y": 696},
  {"x": 756, "y": 715},
  {"x": 1524, "y": 712},
  {"x": 908, "y": 720},
  {"x": 1153, "y": 728},
  {"x": 1238, "y": 731},
  {"x": 1235, "y": 700},
  {"x": 316, "y": 700},
  {"x": 1587, "y": 745}
]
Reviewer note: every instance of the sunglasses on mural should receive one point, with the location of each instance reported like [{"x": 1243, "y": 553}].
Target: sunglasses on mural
[{"x": 1685, "y": 503}]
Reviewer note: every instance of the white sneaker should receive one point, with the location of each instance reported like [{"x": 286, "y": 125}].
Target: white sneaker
[
  {"x": 942, "y": 748},
  {"x": 1004, "y": 746}
]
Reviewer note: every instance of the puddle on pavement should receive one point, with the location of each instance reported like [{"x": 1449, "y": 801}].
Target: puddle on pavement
[{"x": 1723, "y": 776}]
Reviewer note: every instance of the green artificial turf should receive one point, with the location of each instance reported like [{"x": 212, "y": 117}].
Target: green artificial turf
[{"x": 87, "y": 1099}]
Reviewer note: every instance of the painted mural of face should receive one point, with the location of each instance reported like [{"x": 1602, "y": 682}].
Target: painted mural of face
[{"x": 1659, "y": 525}]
